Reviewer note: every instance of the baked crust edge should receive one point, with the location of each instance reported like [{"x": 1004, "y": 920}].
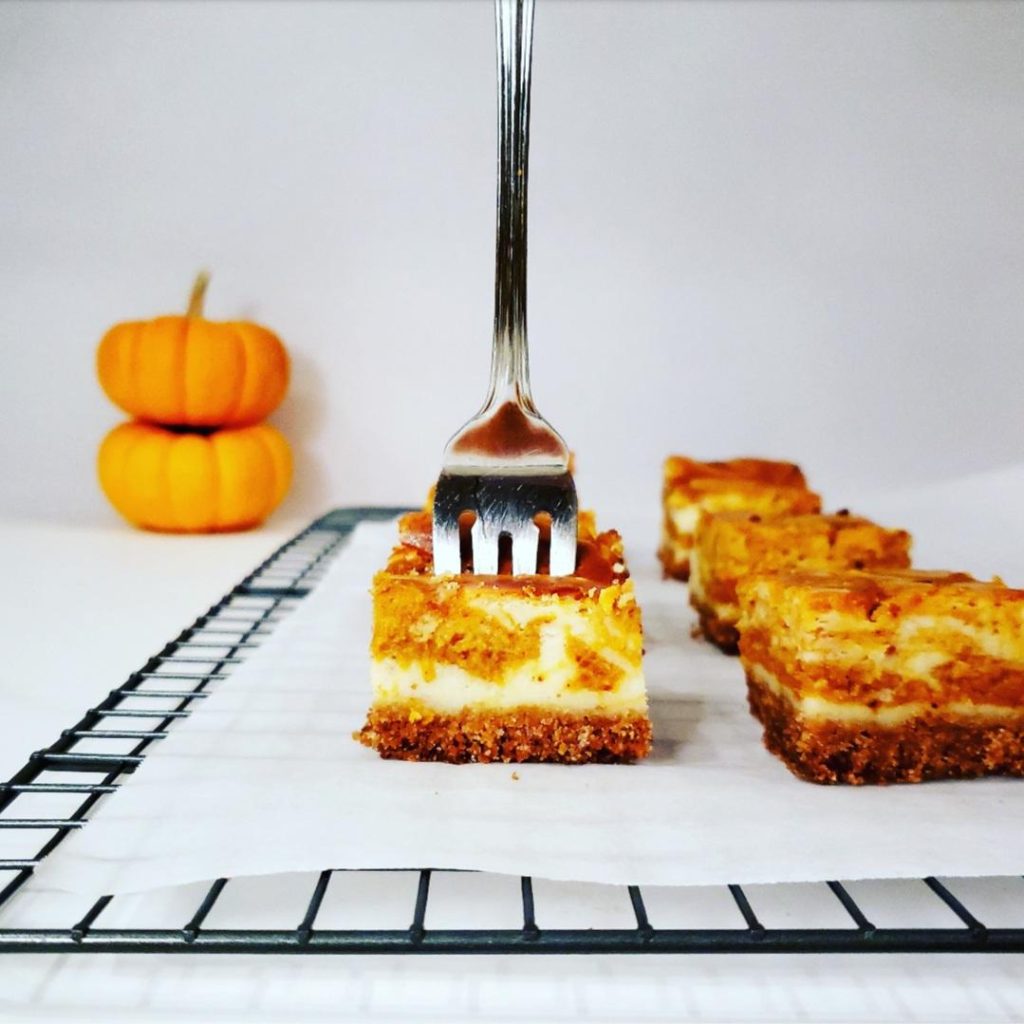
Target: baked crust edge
[
  {"x": 937, "y": 745},
  {"x": 512, "y": 736}
]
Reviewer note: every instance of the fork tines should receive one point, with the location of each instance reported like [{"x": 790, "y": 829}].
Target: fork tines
[{"x": 505, "y": 506}]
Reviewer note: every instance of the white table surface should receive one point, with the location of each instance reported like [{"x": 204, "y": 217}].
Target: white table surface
[{"x": 82, "y": 607}]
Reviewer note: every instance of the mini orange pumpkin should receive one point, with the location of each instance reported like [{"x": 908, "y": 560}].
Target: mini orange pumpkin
[
  {"x": 189, "y": 371},
  {"x": 188, "y": 482}
]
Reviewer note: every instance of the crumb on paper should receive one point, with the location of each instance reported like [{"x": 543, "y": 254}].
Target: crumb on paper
[{"x": 515, "y": 776}]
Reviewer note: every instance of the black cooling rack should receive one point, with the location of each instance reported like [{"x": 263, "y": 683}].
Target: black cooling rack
[{"x": 173, "y": 684}]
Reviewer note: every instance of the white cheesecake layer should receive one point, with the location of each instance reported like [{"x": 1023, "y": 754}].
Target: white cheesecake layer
[{"x": 453, "y": 689}]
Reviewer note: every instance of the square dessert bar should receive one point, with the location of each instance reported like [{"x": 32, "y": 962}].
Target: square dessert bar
[
  {"x": 886, "y": 677},
  {"x": 731, "y": 545},
  {"x": 752, "y": 485},
  {"x": 506, "y": 668}
]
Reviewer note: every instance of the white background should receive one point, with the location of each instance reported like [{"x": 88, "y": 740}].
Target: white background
[{"x": 792, "y": 229}]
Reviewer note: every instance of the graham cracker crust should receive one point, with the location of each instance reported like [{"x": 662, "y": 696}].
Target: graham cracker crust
[
  {"x": 723, "y": 635},
  {"x": 532, "y": 734},
  {"x": 935, "y": 746}
]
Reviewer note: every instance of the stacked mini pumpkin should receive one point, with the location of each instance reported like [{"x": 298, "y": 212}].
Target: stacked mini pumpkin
[{"x": 197, "y": 457}]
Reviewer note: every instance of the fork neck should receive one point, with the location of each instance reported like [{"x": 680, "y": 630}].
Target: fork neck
[{"x": 510, "y": 363}]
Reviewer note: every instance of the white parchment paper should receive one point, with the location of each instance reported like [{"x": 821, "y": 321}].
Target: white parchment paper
[{"x": 265, "y": 777}]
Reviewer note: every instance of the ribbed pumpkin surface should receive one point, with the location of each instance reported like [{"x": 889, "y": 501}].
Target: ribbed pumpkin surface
[
  {"x": 189, "y": 371},
  {"x": 192, "y": 482}
]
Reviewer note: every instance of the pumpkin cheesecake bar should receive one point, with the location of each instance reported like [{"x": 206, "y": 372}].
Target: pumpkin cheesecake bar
[
  {"x": 731, "y": 545},
  {"x": 900, "y": 676},
  {"x": 753, "y": 485},
  {"x": 506, "y": 668}
]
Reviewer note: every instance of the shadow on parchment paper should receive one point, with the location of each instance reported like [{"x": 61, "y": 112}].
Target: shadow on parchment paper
[
  {"x": 301, "y": 419},
  {"x": 674, "y": 721}
]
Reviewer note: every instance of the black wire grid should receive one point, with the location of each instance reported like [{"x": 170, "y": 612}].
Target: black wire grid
[{"x": 235, "y": 625}]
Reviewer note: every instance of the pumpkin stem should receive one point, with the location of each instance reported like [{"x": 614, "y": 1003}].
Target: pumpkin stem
[{"x": 195, "y": 300}]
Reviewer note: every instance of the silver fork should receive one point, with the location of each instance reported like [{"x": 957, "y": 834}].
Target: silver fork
[{"x": 508, "y": 465}]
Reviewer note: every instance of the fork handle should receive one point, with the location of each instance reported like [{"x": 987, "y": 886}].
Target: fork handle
[{"x": 510, "y": 361}]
